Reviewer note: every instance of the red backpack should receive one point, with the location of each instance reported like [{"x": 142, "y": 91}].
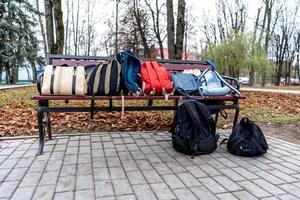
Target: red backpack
[{"x": 156, "y": 79}]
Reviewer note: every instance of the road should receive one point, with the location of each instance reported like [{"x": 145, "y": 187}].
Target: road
[
  {"x": 270, "y": 90},
  {"x": 5, "y": 87}
]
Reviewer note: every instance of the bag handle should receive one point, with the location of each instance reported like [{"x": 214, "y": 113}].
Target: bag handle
[
  {"x": 52, "y": 80},
  {"x": 228, "y": 85},
  {"x": 74, "y": 80},
  {"x": 208, "y": 118},
  {"x": 160, "y": 77},
  {"x": 191, "y": 110},
  {"x": 213, "y": 68}
]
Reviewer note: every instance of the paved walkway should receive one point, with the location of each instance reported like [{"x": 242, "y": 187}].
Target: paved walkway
[
  {"x": 143, "y": 166},
  {"x": 271, "y": 90},
  {"x": 6, "y": 87}
]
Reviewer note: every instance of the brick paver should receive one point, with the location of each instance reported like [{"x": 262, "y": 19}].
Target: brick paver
[{"x": 142, "y": 165}]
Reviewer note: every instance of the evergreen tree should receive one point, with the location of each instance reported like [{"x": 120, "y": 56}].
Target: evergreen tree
[{"x": 18, "y": 42}]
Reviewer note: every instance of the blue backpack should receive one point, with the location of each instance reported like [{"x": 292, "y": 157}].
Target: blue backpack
[
  {"x": 130, "y": 72},
  {"x": 212, "y": 84},
  {"x": 209, "y": 83}
]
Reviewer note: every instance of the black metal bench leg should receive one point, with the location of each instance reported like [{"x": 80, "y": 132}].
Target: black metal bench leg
[
  {"x": 92, "y": 108},
  {"x": 236, "y": 116},
  {"x": 41, "y": 131},
  {"x": 48, "y": 122},
  {"x": 175, "y": 103},
  {"x": 150, "y": 102},
  {"x": 216, "y": 120}
]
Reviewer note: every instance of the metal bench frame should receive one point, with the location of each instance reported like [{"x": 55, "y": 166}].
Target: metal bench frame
[{"x": 44, "y": 110}]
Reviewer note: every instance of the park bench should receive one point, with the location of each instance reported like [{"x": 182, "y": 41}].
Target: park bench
[{"x": 44, "y": 109}]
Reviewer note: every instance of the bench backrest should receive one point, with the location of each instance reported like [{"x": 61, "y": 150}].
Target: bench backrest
[{"x": 70, "y": 60}]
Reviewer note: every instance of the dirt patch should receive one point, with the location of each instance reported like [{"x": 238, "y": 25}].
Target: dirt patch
[{"x": 287, "y": 132}]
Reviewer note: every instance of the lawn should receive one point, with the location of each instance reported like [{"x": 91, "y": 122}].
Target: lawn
[{"x": 18, "y": 114}]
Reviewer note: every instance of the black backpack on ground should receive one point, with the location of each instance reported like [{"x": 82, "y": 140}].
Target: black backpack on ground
[
  {"x": 193, "y": 129},
  {"x": 247, "y": 139}
]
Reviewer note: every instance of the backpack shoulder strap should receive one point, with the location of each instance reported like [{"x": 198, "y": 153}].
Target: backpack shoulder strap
[
  {"x": 192, "y": 111},
  {"x": 159, "y": 74},
  {"x": 228, "y": 85},
  {"x": 213, "y": 68},
  {"x": 208, "y": 118},
  {"x": 148, "y": 66}
]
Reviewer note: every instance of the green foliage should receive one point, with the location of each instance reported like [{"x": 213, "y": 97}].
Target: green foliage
[
  {"x": 18, "y": 41},
  {"x": 238, "y": 52}
]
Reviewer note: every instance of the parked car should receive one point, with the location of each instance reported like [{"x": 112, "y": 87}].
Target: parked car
[{"x": 244, "y": 80}]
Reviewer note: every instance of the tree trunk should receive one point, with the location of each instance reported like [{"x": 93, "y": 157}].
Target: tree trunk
[
  {"x": 42, "y": 28},
  {"x": 158, "y": 36},
  {"x": 33, "y": 67},
  {"x": 117, "y": 26},
  {"x": 161, "y": 49},
  {"x": 252, "y": 70},
  {"x": 59, "y": 26},
  {"x": 53, "y": 8},
  {"x": 141, "y": 29},
  {"x": 180, "y": 29},
  {"x": 49, "y": 24},
  {"x": 298, "y": 67},
  {"x": 186, "y": 36},
  {"x": 77, "y": 29},
  {"x": 279, "y": 71},
  {"x": 251, "y": 76},
  {"x": 8, "y": 76},
  {"x": 1, "y": 72},
  {"x": 15, "y": 75},
  {"x": 89, "y": 32},
  {"x": 170, "y": 29},
  {"x": 67, "y": 27},
  {"x": 156, "y": 25},
  {"x": 263, "y": 78},
  {"x": 264, "y": 21},
  {"x": 269, "y": 18}
]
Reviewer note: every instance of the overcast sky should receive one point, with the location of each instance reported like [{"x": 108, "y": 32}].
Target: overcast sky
[{"x": 104, "y": 9}]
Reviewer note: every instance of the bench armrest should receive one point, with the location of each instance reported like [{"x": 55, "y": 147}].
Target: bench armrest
[{"x": 233, "y": 81}]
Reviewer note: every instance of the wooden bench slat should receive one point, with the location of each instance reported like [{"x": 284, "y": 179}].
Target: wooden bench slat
[
  {"x": 181, "y": 67},
  {"x": 220, "y": 98}
]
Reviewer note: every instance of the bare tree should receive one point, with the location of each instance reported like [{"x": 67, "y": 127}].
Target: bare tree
[
  {"x": 156, "y": 14},
  {"x": 75, "y": 24},
  {"x": 42, "y": 27},
  {"x": 180, "y": 28},
  {"x": 176, "y": 49},
  {"x": 117, "y": 26},
  {"x": 141, "y": 26},
  {"x": 297, "y": 65},
  {"x": 67, "y": 48},
  {"x": 49, "y": 24},
  {"x": 54, "y": 16},
  {"x": 231, "y": 19},
  {"x": 170, "y": 29},
  {"x": 284, "y": 43}
]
